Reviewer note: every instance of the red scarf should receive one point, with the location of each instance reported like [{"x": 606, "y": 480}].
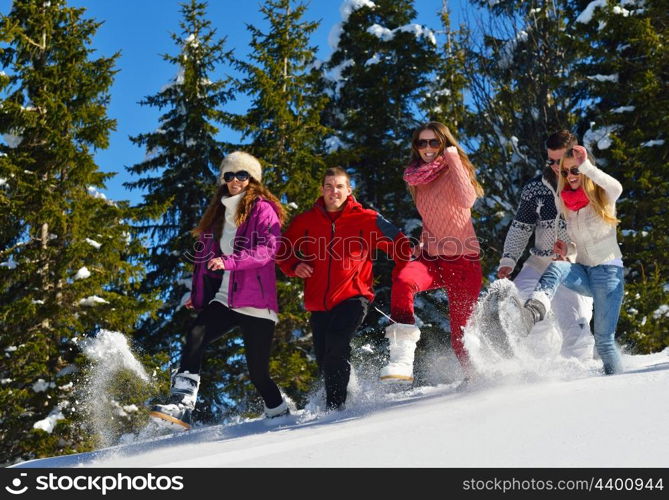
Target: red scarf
[
  {"x": 574, "y": 199},
  {"x": 422, "y": 173}
]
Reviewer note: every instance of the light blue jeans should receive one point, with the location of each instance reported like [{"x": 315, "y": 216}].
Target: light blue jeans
[{"x": 605, "y": 284}]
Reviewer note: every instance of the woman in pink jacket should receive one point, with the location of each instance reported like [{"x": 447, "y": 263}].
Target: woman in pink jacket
[
  {"x": 234, "y": 285},
  {"x": 443, "y": 184}
]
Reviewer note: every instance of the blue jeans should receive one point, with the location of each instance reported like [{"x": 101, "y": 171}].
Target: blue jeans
[{"x": 605, "y": 285}]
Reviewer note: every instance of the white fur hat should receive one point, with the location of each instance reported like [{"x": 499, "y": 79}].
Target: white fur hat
[{"x": 238, "y": 160}]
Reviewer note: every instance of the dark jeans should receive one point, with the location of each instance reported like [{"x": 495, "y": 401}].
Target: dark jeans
[
  {"x": 214, "y": 322},
  {"x": 332, "y": 332}
]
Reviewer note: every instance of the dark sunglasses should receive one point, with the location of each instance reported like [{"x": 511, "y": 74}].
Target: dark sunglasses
[
  {"x": 572, "y": 171},
  {"x": 242, "y": 175},
  {"x": 422, "y": 143},
  {"x": 550, "y": 162}
]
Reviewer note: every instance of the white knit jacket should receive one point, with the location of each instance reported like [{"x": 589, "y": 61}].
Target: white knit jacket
[{"x": 595, "y": 240}]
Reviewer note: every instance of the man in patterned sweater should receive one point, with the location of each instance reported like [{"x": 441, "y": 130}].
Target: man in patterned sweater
[{"x": 537, "y": 213}]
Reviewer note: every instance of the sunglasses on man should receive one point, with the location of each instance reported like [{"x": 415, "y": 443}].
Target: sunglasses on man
[
  {"x": 573, "y": 171},
  {"x": 242, "y": 175},
  {"x": 423, "y": 143}
]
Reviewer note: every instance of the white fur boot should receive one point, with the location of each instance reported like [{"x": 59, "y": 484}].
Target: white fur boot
[
  {"x": 403, "y": 339},
  {"x": 279, "y": 411}
]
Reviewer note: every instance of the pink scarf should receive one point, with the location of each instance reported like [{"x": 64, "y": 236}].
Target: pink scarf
[
  {"x": 574, "y": 199},
  {"x": 422, "y": 173}
]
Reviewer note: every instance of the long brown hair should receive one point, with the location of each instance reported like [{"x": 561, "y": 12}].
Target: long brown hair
[
  {"x": 446, "y": 139},
  {"x": 601, "y": 204},
  {"x": 214, "y": 216}
]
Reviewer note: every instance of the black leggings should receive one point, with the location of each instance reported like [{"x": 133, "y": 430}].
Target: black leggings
[
  {"x": 333, "y": 331},
  {"x": 214, "y": 322}
]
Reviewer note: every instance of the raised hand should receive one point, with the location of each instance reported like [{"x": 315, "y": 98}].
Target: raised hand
[{"x": 580, "y": 154}]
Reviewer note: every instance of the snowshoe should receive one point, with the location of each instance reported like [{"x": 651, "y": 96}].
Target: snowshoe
[
  {"x": 470, "y": 384},
  {"x": 172, "y": 415},
  {"x": 493, "y": 334},
  {"x": 398, "y": 380},
  {"x": 390, "y": 386},
  {"x": 156, "y": 427},
  {"x": 178, "y": 409},
  {"x": 518, "y": 319}
]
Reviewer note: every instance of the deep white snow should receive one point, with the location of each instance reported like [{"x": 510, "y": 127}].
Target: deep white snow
[{"x": 561, "y": 414}]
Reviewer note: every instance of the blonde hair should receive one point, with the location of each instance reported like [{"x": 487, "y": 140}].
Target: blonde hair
[
  {"x": 446, "y": 139},
  {"x": 595, "y": 193}
]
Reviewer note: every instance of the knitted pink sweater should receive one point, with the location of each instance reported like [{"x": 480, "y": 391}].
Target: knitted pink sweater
[{"x": 445, "y": 207}]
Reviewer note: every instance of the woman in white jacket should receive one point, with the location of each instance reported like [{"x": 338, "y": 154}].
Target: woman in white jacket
[{"x": 592, "y": 264}]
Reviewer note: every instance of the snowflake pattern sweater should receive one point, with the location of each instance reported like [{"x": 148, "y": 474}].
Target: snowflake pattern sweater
[{"x": 537, "y": 213}]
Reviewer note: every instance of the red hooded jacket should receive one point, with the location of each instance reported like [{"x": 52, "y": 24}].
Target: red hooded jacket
[{"x": 341, "y": 252}]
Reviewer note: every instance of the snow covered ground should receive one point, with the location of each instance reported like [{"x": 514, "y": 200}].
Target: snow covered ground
[{"x": 554, "y": 414}]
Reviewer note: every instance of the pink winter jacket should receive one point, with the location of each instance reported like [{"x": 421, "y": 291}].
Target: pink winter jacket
[{"x": 252, "y": 265}]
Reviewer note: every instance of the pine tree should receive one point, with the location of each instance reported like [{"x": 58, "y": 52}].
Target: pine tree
[
  {"x": 597, "y": 68},
  {"x": 284, "y": 131},
  {"x": 444, "y": 102},
  {"x": 381, "y": 71},
  {"x": 625, "y": 127},
  {"x": 69, "y": 261},
  {"x": 381, "y": 67},
  {"x": 179, "y": 176},
  {"x": 520, "y": 70},
  {"x": 283, "y": 118}
]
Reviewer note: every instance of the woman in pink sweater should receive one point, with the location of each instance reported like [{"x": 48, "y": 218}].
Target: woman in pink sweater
[{"x": 443, "y": 184}]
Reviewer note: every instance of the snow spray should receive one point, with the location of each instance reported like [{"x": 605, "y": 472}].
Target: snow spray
[
  {"x": 530, "y": 358},
  {"x": 114, "y": 371}
]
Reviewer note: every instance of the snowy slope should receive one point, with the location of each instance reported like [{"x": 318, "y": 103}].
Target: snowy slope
[{"x": 543, "y": 418}]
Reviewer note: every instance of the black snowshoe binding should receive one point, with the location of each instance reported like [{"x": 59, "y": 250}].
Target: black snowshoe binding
[
  {"x": 177, "y": 412},
  {"x": 172, "y": 414}
]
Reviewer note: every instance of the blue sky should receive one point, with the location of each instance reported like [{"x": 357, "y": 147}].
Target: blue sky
[{"x": 140, "y": 30}]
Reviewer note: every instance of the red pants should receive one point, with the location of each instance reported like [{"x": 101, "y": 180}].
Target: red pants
[{"x": 461, "y": 277}]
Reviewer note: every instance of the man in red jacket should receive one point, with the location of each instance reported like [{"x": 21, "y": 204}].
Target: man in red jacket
[{"x": 332, "y": 246}]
